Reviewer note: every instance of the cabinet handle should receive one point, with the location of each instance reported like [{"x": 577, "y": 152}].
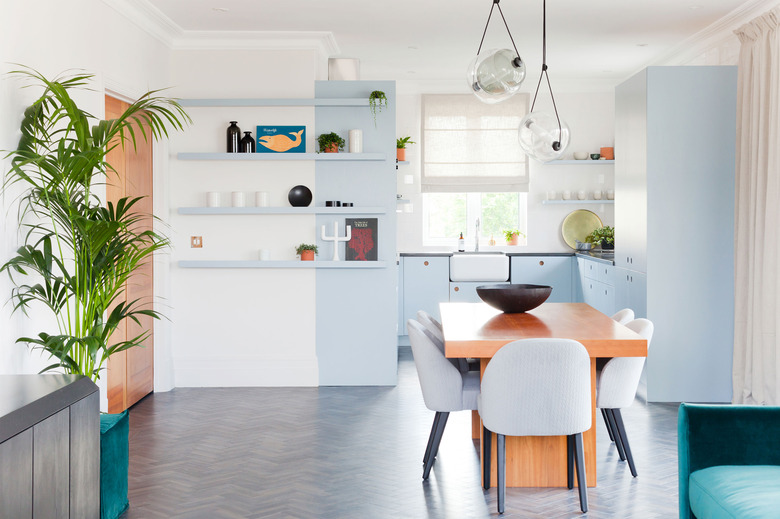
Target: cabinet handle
[
  {"x": 541, "y": 263},
  {"x": 425, "y": 263},
  {"x": 456, "y": 289}
]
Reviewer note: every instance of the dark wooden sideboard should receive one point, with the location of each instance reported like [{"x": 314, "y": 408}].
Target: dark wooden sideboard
[{"x": 49, "y": 447}]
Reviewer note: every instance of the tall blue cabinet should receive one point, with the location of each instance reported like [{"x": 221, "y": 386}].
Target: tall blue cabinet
[{"x": 675, "y": 142}]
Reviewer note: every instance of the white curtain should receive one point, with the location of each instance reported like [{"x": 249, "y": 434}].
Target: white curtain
[{"x": 756, "y": 368}]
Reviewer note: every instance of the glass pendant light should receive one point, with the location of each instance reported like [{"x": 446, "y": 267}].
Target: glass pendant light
[
  {"x": 496, "y": 74},
  {"x": 543, "y": 136}
]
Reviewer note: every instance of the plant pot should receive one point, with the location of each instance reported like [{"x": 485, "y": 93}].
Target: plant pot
[
  {"x": 400, "y": 154},
  {"x": 607, "y": 246},
  {"x": 114, "y": 463},
  {"x": 307, "y": 255},
  {"x": 514, "y": 240},
  {"x": 332, "y": 148}
]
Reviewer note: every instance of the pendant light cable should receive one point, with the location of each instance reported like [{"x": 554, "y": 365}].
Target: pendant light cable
[
  {"x": 544, "y": 71},
  {"x": 501, "y": 12}
]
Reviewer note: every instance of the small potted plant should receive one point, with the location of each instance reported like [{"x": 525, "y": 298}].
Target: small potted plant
[
  {"x": 512, "y": 236},
  {"x": 330, "y": 142},
  {"x": 400, "y": 147},
  {"x": 604, "y": 236},
  {"x": 377, "y": 100},
  {"x": 306, "y": 251}
]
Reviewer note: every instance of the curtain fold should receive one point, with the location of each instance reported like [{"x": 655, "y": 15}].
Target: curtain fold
[{"x": 756, "y": 368}]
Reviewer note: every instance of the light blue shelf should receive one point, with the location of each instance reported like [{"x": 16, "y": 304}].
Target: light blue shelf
[
  {"x": 274, "y": 102},
  {"x": 577, "y": 202},
  {"x": 281, "y": 210},
  {"x": 283, "y": 156},
  {"x": 219, "y": 264},
  {"x": 586, "y": 162}
]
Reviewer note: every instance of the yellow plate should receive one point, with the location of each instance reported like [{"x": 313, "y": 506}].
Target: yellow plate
[{"x": 578, "y": 225}]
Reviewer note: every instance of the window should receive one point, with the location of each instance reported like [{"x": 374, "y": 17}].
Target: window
[{"x": 446, "y": 215}]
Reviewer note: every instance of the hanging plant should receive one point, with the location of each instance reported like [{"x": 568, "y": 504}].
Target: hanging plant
[{"x": 377, "y": 100}]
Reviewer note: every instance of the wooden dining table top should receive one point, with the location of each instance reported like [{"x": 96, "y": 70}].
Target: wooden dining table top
[{"x": 477, "y": 330}]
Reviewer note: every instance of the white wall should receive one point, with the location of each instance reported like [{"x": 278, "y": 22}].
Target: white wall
[
  {"x": 252, "y": 327},
  {"x": 53, "y": 36},
  {"x": 590, "y": 116}
]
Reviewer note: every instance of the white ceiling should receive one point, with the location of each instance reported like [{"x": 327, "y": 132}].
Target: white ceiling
[{"x": 603, "y": 40}]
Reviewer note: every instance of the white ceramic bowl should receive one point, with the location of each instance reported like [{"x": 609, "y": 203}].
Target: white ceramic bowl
[{"x": 580, "y": 155}]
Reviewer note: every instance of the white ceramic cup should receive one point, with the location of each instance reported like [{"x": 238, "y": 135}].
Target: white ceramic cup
[
  {"x": 261, "y": 198},
  {"x": 567, "y": 195},
  {"x": 265, "y": 255},
  {"x": 610, "y": 194},
  {"x": 237, "y": 199},
  {"x": 582, "y": 194},
  {"x": 552, "y": 195},
  {"x": 212, "y": 199},
  {"x": 597, "y": 194},
  {"x": 356, "y": 141}
]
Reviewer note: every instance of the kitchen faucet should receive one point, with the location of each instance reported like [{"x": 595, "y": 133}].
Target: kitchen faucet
[{"x": 476, "y": 241}]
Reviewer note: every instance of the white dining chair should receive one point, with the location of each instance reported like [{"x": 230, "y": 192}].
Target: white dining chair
[
  {"x": 616, "y": 387},
  {"x": 434, "y": 326},
  {"x": 624, "y": 316},
  {"x": 444, "y": 387},
  {"x": 537, "y": 387}
]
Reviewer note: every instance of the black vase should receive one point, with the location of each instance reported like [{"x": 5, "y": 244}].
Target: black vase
[
  {"x": 299, "y": 196},
  {"x": 247, "y": 143},
  {"x": 233, "y": 138}
]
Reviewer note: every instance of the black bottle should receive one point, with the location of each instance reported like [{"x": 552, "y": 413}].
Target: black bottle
[
  {"x": 247, "y": 143},
  {"x": 233, "y": 138}
]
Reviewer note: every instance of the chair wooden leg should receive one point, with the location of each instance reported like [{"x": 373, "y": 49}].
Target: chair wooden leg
[
  {"x": 621, "y": 432},
  {"x": 618, "y": 442},
  {"x": 582, "y": 482},
  {"x": 570, "y": 461},
  {"x": 435, "y": 445},
  {"x": 609, "y": 427},
  {"x": 501, "y": 460},
  {"x": 487, "y": 448},
  {"x": 430, "y": 436}
]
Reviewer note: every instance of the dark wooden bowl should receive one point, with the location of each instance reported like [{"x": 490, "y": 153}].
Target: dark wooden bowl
[{"x": 514, "y": 299}]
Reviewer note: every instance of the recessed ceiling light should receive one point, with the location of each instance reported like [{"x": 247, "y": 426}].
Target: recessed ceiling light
[
  {"x": 642, "y": 44},
  {"x": 220, "y": 9}
]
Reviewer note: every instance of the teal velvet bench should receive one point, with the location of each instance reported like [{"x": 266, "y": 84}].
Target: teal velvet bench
[{"x": 729, "y": 461}]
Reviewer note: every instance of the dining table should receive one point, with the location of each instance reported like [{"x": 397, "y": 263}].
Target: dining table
[{"x": 476, "y": 330}]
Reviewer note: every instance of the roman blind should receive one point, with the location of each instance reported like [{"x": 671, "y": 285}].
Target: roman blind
[{"x": 470, "y": 146}]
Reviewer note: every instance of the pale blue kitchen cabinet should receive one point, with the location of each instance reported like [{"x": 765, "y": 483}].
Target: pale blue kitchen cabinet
[
  {"x": 597, "y": 284},
  {"x": 675, "y": 153},
  {"x": 466, "y": 291},
  {"x": 426, "y": 283},
  {"x": 555, "y": 271}
]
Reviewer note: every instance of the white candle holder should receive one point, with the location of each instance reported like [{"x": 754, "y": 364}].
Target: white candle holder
[{"x": 336, "y": 238}]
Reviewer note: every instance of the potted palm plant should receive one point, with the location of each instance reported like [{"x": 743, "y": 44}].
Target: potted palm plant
[
  {"x": 400, "y": 147},
  {"x": 76, "y": 253}
]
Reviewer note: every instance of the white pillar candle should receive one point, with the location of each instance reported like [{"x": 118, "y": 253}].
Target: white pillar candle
[
  {"x": 356, "y": 141},
  {"x": 261, "y": 199},
  {"x": 238, "y": 199},
  {"x": 212, "y": 199}
]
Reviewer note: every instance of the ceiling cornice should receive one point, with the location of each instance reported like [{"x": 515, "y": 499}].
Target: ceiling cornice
[
  {"x": 155, "y": 23},
  {"x": 715, "y": 34}
]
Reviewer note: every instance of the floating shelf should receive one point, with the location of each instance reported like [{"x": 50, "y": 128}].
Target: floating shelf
[
  {"x": 220, "y": 264},
  {"x": 578, "y": 202},
  {"x": 586, "y": 162},
  {"x": 282, "y": 156},
  {"x": 281, "y": 210},
  {"x": 353, "y": 101}
]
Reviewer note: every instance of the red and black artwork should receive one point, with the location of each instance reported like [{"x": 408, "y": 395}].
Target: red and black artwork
[{"x": 363, "y": 244}]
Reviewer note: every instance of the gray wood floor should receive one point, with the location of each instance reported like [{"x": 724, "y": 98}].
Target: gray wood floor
[{"x": 356, "y": 453}]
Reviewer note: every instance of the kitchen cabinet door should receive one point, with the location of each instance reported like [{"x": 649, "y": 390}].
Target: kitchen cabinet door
[
  {"x": 426, "y": 283},
  {"x": 555, "y": 271},
  {"x": 466, "y": 291},
  {"x": 631, "y": 291}
]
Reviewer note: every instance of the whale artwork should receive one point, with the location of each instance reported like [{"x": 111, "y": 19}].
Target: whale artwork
[{"x": 281, "y": 139}]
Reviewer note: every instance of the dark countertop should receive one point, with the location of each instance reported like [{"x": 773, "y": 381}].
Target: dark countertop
[
  {"x": 598, "y": 255},
  {"x": 28, "y": 399}
]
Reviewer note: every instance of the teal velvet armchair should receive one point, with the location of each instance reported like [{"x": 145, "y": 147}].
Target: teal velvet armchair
[{"x": 735, "y": 440}]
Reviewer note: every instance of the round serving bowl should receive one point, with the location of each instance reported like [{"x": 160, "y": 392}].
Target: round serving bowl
[{"x": 514, "y": 299}]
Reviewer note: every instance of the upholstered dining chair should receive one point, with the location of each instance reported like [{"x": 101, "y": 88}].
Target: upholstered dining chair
[
  {"x": 624, "y": 316},
  {"x": 616, "y": 387},
  {"x": 537, "y": 387},
  {"x": 444, "y": 388},
  {"x": 434, "y": 326}
]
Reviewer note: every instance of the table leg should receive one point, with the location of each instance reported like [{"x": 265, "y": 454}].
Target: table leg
[{"x": 540, "y": 461}]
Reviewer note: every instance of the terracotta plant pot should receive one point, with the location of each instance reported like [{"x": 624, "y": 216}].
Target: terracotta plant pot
[
  {"x": 608, "y": 153},
  {"x": 307, "y": 255},
  {"x": 400, "y": 154},
  {"x": 333, "y": 148},
  {"x": 514, "y": 240}
]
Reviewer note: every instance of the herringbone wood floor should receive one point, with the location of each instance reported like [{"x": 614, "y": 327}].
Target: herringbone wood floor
[{"x": 356, "y": 453}]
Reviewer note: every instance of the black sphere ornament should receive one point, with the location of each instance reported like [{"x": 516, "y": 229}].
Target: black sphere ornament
[{"x": 299, "y": 196}]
